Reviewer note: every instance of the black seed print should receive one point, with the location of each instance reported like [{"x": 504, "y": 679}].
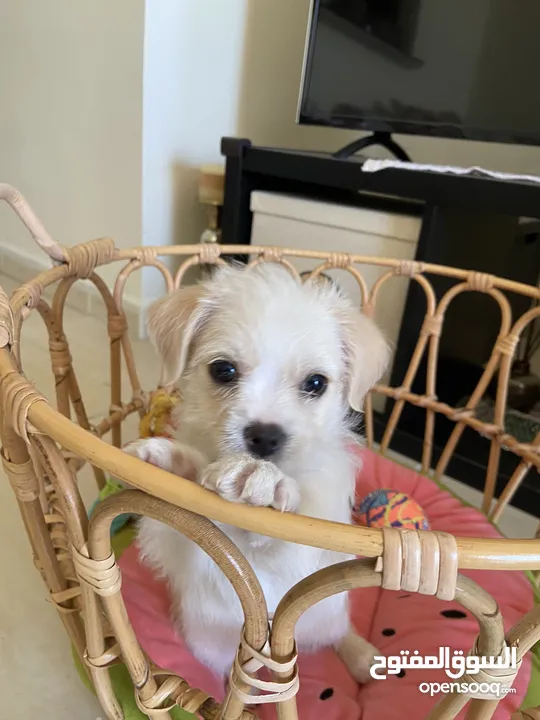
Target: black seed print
[
  {"x": 326, "y": 694},
  {"x": 454, "y": 614}
]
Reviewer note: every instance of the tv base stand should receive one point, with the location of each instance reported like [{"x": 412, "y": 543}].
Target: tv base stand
[{"x": 384, "y": 139}]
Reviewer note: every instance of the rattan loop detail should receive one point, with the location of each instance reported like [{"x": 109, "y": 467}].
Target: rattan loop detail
[
  {"x": 66, "y": 596},
  {"x": 409, "y": 268},
  {"x": 117, "y": 325},
  {"x": 173, "y": 691},
  {"x": 22, "y": 478},
  {"x": 18, "y": 396},
  {"x": 271, "y": 254},
  {"x": 501, "y": 676},
  {"x": 33, "y": 290},
  {"x": 83, "y": 259},
  {"x": 448, "y": 566},
  {"x": 209, "y": 253},
  {"x": 65, "y": 610},
  {"x": 481, "y": 282},
  {"x": 432, "y": 325},
  {"x": 492, "y": 431},
  {"x": 275, "y": 255},
  {"x": 462, "y": 414},
  {"x": 419, "y": 561},
  {"x": 339, "y": 260},
  {"x": 391, "y": 562},
  {"x": 103, "y": 576},
  {"x": 507, "y": 345},
  {"x": 60, "y": 357},
  {"x": 430, "y": 548},
  {"x": 145, "y": 255},
  {"x": 148, "y": 708},
  {"x": 106, "y": 659},
  {"x": 427, "y": 401},
  {"x": 276, "y": 690},
  {"x": 412, "y": 556}
]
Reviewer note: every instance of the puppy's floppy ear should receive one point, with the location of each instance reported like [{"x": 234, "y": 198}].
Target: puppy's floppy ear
[
  {"x": 368, "y": 354},
  {"x": 173, "y": 322}
]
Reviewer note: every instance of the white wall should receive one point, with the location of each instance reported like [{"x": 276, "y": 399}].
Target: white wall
[
  {"x": 108, "y": 110},
  {"x": 192, "y": 73},
  {"x": 70, "y": 120}
]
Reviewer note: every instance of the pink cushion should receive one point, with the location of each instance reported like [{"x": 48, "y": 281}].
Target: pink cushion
[{"x": 392, "y": 621}]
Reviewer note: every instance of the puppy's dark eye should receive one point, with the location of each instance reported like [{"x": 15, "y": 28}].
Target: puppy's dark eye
[
  {"x": 223, "y": 372},
  {"x": 314, "y": 385}
]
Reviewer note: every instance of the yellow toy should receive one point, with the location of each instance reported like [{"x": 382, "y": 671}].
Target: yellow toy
[
  {"x": 158, "y": 420},
  {"x": 156, "y": 423}
]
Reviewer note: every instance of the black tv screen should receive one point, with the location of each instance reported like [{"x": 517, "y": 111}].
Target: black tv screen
[{"x": 450, "y": 68}]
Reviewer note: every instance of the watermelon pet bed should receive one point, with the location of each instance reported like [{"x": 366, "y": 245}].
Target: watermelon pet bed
[{"x": 392, "y": 621}]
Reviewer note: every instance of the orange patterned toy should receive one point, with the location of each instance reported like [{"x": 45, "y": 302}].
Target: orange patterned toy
[{"x": 390, "y": 508}]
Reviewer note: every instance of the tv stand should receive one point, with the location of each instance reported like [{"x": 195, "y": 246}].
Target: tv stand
[{"x": 384, "y": 139}]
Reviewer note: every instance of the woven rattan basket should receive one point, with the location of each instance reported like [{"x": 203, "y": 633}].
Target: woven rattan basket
[{"x": 44, "y": 447}]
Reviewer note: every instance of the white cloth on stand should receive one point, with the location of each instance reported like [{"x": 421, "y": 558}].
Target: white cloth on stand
[{"x": 372, "y": 165}]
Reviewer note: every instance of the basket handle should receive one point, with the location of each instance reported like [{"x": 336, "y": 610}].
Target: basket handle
[
  {"x": 6, "y": 320},
  {"x": 32, "y": 223}
]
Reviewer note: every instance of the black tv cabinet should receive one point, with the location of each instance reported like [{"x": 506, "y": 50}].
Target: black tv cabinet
[{"x": 470, "y": 222}]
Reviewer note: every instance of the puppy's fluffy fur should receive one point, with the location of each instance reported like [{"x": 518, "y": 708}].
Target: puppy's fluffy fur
[{"x": 276, "y": 333}]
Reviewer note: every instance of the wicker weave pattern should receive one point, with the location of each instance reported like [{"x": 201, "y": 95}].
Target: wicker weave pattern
[{"x": 45, "y": 447}]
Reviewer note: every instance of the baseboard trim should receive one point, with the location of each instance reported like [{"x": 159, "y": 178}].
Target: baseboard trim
[{"x": 20, "y": 266}]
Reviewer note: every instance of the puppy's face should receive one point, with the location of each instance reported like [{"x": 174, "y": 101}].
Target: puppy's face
[{"x": 266, "y": 365}]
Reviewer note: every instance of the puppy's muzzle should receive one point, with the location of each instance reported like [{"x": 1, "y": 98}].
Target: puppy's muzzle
[{"x": 264, "y": 440}]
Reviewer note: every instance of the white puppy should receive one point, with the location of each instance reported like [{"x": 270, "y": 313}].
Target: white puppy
[{"x": 267, "y": 369}]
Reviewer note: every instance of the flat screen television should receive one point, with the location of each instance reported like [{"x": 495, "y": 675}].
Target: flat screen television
[{"x": 449, "y": 68}]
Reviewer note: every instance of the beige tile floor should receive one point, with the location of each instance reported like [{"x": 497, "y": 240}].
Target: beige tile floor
[{"x": 37, "y": 676}]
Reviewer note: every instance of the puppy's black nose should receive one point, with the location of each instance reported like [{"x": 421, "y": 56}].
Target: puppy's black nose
[{"x": 264, "y": 439}]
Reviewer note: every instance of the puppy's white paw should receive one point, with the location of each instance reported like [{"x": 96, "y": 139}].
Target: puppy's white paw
[
  {"x": 156, "y": 451},
  {"x": 242, "y": 478},
  {"x": 267, "y": 486},
  {"x": 358, "y": 656},
  {"x": 168, "y": 455}
]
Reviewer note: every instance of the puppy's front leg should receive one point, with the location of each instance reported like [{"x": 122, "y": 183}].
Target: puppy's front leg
[
  {"x": 242, "y": 478},
  {"x": 358, "y": 655},
  {"x": 169, "y": 455}
]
